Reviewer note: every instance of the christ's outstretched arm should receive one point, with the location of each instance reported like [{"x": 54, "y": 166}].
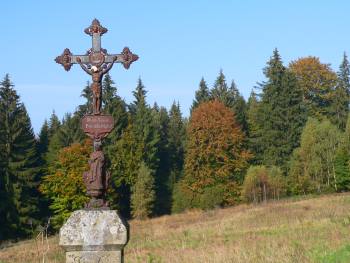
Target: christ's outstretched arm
[
  {"x": 85, "y": 68},
  {"x": 108, "y": 68}
]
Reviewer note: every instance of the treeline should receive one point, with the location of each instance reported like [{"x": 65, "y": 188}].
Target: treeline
[{"x": 291, "y": 137}]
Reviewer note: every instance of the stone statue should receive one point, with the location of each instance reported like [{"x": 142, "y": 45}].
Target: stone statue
[{"x": 97, "y": 178}]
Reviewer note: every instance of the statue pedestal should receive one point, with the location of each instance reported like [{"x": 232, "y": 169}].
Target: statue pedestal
[{"x": 94, "y": 236}]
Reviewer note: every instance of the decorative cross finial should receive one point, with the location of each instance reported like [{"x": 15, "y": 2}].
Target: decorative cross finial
[{"x": 95, "y": 27}]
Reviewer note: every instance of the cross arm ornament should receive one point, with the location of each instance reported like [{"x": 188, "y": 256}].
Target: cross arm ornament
[
  {"x": 96, "y": 56},
  {"x": 67, "y": 59}
]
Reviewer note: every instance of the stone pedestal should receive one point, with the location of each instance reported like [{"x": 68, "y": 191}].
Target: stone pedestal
[{"x": 94, "y": 236}]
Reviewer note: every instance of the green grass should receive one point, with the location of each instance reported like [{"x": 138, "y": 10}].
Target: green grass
[{"x": 341, "y": 255}]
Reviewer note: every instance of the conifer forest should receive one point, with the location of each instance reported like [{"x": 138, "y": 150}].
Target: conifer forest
[{"x": 291, "y": 137}]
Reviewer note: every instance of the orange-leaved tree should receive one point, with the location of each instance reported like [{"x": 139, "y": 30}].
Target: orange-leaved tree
[
  {"x": 215, "y": 156},
  {"x": 63, "y": 185}
]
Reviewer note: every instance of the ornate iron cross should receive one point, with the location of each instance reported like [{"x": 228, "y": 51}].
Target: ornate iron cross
[{"x": 96, "y": 62}]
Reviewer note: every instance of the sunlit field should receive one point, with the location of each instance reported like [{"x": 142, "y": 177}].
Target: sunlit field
[{"x": 306, "y": 230}]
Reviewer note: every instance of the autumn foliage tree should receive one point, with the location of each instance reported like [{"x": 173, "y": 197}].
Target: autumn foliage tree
[
  {"x": 64, "y": 183},
  {"x": 317, "y": 81},
  {"x": 215, "y": 156}
]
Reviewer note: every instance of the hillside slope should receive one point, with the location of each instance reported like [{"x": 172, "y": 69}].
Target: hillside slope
[{"x": 309, "y": 230}]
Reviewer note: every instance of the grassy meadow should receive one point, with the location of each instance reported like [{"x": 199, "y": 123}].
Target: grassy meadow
[{"x": 313, "y": 229}]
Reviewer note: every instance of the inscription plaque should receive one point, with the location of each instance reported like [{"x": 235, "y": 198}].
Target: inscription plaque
[{"x": 97, "y": 126}]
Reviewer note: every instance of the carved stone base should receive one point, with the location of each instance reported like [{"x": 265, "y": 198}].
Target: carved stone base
[
  {"x": 94, "y": 236},
  {"x": 93, "y": 257}
]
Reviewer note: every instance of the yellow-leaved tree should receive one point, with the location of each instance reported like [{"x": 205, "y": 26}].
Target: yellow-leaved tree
[{"x": 63, "y": 185}]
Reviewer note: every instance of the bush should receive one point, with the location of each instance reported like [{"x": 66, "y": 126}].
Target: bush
[
  {"x": 182, "y": 198},
  {"x": 262, "y": 183}
]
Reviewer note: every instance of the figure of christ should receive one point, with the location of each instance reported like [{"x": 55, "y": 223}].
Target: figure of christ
[{"x": 96, "y": 86}]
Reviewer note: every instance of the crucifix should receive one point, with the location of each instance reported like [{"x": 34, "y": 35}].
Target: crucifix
[{"x": 96, "y": 62}]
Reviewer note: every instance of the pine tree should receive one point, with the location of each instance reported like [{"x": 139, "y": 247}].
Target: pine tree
[
  {"x": 340, "y": 101},
  {"x": 19, "y": 164},
  {"x": 282, "y": 114},
  {"x": 143, "y": 194},
  {"x": 202, "y": 94}
]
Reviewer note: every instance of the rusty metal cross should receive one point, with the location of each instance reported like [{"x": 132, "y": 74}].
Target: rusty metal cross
[
  {"x": 96, "y": 62},
  {"x": 96, "y": 56}
]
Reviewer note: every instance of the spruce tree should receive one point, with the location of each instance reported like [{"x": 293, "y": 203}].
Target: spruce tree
[
  {"x": 342, "y": 169},
  {"x": 42, "y": 148},
  {"x": 86, "y": 94},
  {"x": 340, "y": 101},
  {"x": 163, "y": 196},
  {"x": 115, "y": 106},
  {"x": 147, "y": 136},
  {"x": 43, "y": 140},
  {"x": 342, "y": 160},
  {"x": 202, "y": 94},
  {"x": 176, "y": 138},
  {"x": 254, "y": 129},
  {"x": 69, "y": 132},
  {"x": 238, "y": 106},
  {"x": 54, "y": 124},
  {"x": 282, "y": 114},
  {"x": 221, "y": 92},
  {"x": 344, "y": 73},
  {"x": 19, "y": 166},
  {"x": 143, "y": 195},
  {"x": 138, "y": 143}
]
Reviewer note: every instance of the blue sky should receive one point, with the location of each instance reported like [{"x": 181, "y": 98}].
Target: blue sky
[{"x": 178, "y": 42}]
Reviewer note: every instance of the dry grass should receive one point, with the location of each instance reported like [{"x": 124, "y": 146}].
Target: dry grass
[{"x": 310, "y": 230}]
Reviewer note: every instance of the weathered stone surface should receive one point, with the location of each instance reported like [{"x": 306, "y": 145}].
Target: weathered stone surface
[
  {"x": 93, "y": 236},
  {"x": 93, "y": 257}
]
